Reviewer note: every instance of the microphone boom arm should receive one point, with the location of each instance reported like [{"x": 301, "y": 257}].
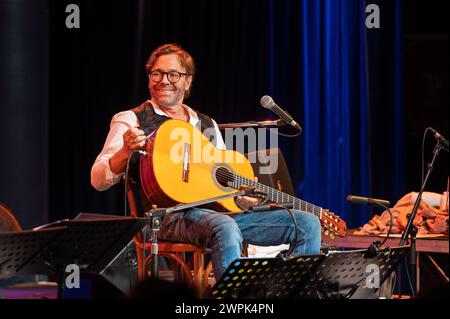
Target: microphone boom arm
[{"x": 276, "y": 123}]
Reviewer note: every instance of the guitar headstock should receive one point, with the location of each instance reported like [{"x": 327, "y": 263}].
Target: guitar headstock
[{"x": 332, "y": 224}]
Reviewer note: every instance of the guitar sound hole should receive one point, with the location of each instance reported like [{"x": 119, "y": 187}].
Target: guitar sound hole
[{"x": 224, "y": 176}]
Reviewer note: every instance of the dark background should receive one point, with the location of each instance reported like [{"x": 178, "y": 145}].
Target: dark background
[
  {"x": 60, "y": 87},
  {"x": 426, "y": 85}
]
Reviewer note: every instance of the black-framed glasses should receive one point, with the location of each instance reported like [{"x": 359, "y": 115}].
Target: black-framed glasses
[{"x": 172, "y": 76}]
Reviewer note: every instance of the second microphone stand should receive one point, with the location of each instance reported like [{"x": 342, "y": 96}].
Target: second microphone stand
[{"x": 411, "y": 230}]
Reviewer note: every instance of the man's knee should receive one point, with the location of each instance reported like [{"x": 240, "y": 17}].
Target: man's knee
[
  {"x": 315, "y": 227},
  {"x": 310, "y": 224},
  {"x": 227, "y": 228}
]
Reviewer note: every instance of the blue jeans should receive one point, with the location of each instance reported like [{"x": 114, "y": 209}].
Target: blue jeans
[{"x": 224, "y": 234}]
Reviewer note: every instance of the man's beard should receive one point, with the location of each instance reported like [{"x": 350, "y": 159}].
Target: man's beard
[{"x": 168, "y": 103}]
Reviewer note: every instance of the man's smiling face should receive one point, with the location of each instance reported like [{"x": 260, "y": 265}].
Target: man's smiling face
[{"x": 164, "y": 93}]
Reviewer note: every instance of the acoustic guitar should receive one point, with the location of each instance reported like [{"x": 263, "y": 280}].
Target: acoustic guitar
[{"x": 183, "y": 166}]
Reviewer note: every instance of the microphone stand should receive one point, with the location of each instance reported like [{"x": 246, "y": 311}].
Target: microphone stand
[
  {"x": 411, "y": 230},
  {"x": 156, "y": 214},
  {"x": 375, "y": 246}
]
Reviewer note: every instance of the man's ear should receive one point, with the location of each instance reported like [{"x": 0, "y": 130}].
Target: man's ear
[{"x": 188, "y": 82}]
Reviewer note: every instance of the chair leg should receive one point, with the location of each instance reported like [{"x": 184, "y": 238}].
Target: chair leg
[
  {"x": 140, "y": 261},
  {"x": 180, "y": 274},
  {"x": 174, "y": 267},
  {"x": 179, "y": 262},
  {"x": 199, "y": 261},
  {"x": 206, "y": 275}
]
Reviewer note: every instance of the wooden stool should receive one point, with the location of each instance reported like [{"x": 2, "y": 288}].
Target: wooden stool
[{"x": 195, "y": 276}]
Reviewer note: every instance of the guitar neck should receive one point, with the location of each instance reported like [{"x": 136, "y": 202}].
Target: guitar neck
[{"x": 277, "y": 196}]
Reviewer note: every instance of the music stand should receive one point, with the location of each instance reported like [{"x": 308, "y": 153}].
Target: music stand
[
  {"x": 346, "y": 274},
  {"x": 91, "y": 244},
  {"x": 18, "y": 251},
  {"x": 265, "y": 278},
  {"x": 338, "y": 275}
]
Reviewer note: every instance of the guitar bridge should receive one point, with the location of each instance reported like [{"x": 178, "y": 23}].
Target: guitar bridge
[{"x": 186, "y": 162}]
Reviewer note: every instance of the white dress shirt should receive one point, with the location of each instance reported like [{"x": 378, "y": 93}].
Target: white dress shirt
[{"x": 102, "y": 177}]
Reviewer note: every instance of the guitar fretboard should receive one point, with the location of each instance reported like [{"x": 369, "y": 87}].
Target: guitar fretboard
[{"x": 275, "y": 195}]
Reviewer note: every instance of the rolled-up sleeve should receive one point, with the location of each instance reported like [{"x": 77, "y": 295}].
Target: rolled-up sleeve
[{"x": 102, "y": 177}]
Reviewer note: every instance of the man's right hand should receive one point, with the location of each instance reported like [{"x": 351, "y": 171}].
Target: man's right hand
[{"x": 133, "y": 139}]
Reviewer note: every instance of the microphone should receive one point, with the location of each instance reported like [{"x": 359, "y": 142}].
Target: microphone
[
  {"x": 368, "y": 201},
  {"x": 440, "y": 138},
  {"x": 273, "y": 206},
  {"x": 268, "y": 103}
]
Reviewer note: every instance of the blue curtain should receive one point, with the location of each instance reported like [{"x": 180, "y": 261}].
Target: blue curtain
[
  {"x": 333, "y": 157},
  {"x": 335, "y": 104}
]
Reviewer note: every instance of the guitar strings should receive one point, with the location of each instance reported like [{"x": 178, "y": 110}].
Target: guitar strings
[
  {"x": 229, "y": 178},
  {"x": 235, "y": 178}
]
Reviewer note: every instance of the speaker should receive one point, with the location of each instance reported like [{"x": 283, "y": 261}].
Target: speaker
[
  {"x": 271, "y": 169},
  {"x": 122, "y": 272},
  {"x": 116, "y": 281}
]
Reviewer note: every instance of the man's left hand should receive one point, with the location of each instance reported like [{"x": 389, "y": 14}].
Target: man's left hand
[{"x": 245, "y": 202}]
